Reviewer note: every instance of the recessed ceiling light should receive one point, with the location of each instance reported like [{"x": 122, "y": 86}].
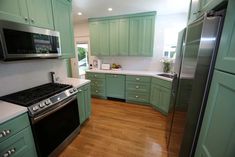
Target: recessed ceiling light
[
  {"x": 79, "y": 13},
  {"x": 110, "y": 9}
]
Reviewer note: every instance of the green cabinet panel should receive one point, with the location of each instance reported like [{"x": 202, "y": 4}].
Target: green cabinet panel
[
  {"x": 217, "y": 134},
  {"x": 115, "y": 86},
  {"x": 14, "y": 10},
  {"x": 193, "y": 10},
  {"x": 20, "y": 145},
  {"x": 14, "y": 125},
  {"x": 226, "y": 54},
  {"x": 40, "y": 13},
  {"x": 84, "y": 102},
  {"x": 113, "y": 36},
  {"x": 165, "y": 97},
  {"x": 137, "y": 97},
  {"x": 94, "y": 38},
  {"x": 140, "y": 87},
  {"x": 63, "y": 23},
  {"x": 123, "y": 37},
  {"x": 206, "y": 5},
  {"x": 155, "y": 95},
  {"x": 91, "y": 75},
  {"x": 137, "y": 78},
  {"x": 161, "y": 82},
  {"x": 142, "y": 36}
]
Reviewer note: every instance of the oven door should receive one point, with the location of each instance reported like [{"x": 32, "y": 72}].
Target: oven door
[{"x": 54, "y": 129}]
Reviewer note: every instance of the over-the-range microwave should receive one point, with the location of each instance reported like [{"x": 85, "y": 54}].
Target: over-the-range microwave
[{"x": 21, "y": 41}]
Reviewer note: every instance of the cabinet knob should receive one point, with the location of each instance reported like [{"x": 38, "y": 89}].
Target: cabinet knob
[
  {"x": 9, "y": 152},
  {"x": 137, "y": 79},
  {"x": 137, "y": 87},
  {"x": 5, "y": 133},
  {"x": 26, "y": 18},
  {"x": 95, "y": 76},
  {"x": 79, "y": 90},
  {"x": 32, "y": 20},
  {"x": 114, "y": 75},
  {"x": 137, "y": 96},
  {"x": 96, "y": 91}
]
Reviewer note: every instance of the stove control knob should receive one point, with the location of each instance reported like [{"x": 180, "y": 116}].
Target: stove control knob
[
  {"x": 47, "y": 102},
  {"x": 41, "y": 105},
  {"x": 71, "y": 91},
  {"x": 74, "y": 89},
  {"x": 35, "y": 108}
]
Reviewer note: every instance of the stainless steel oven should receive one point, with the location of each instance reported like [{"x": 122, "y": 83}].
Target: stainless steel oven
[{"x": 21, "y": 41}]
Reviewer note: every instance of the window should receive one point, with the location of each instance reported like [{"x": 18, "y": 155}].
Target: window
[{"x": 82, "y": 57}]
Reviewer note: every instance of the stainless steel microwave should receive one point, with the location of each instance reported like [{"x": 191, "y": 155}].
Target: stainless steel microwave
[{"x": 21, "y": 41}]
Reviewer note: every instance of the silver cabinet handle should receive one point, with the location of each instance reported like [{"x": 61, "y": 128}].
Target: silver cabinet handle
[
  {"x": 136, "y": 96},
  {"x": 5, "y": 133},
  {"x": 79, "y": 90},
  {"x": 137, "y": 79},
  {"x": 96, "y": 91},
  {"x": 137, "y": 87},
  {"x": 9, "y": 152},
  {"x": 95, "y": 76}
]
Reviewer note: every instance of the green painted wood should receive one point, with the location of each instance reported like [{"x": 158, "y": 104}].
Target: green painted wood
[
  {"x": 87, "y": 98},
  {"x": 194, "y": 10},
  {"x": 123, "y": 37},
  {"x": 103, "y": 28},
  {"x": 226, "y": 53},
  {"x": 92, "y": 75},
  {"x": 161, "y": 82},
  {"x": 14, "y": 10},
  {"x": 217, "y": 134},
  {"x": 155, "y": 95},
  {"x": 113, "y": 36},
  {"x": 138, "y": 86},
  {"x": 22, "y": 142},
  {"x": 207, "y": 5},
  {"x": 137, "y": 78},
  {"x": 62, "y": 10},
  {"x": 69, "y": 68},
  {"x": 94, "y": 38},
  {"x": 40, "y": 13},
  {"x": 135, "y": 35},
  {"x": 15, "y": 125},
  {"x": 81, "y": 105},
  {"x": 137, "y": 97},
  {"x": 115, "y": 86},
  {"x": 165, "y": 99}
]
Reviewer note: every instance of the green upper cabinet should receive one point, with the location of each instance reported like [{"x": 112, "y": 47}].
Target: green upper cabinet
[
  {"x": 33, "y": 12},
  {"x": 40, "y": 13},
  {"x": 62, "y": 10},
  {"x": 125, "y": 35},
  {"x": 226, "y": 54},
  {"x": 217, "y": 135},
  {"x": 206, "y": 5},
  {"x": 141, "y": 36},
  {"x": 14, "y": 10},
  {"x": 193, "y": 10}
]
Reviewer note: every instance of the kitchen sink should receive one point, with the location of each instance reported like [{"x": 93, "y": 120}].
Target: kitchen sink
[{"x": 166, "y": 75}]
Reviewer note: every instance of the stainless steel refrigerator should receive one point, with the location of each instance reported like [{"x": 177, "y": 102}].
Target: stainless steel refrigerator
[{"x": 193, "y": 67}]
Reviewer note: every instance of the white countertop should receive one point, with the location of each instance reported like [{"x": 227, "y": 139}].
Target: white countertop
[
  {"x": 132, "y": 72},
  {"x": 75, "y": 82},
  {"x": 9, "y": 111}
]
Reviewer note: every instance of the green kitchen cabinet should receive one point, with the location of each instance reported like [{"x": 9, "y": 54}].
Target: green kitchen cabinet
[
  {"x": 33, "y": 12},
  {"x": 62, "y": 10},
  {"x": 113, "y": 36},
  {"x": 94, "y": 37},
  {"x": 160, "y": 94},
  {"x": 84, "y": 102},
  {"x": 194, "y": 10},
  {"x": 123, "y": 37},
  {"x": 207, "y": 5},
  {"x": 115, "y": 86},
  {"x": 217, "y": 134},
  {"x": 18, "y": 139},
  {"x": 141, "y": 36},
  {"x": 226, "y": 53}
]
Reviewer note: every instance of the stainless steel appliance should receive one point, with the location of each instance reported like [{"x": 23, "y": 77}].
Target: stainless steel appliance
[
  {"x": 21, "y": 41},
  {"x": 54, "y": 115},
  {"x": 192, "y": 83}
]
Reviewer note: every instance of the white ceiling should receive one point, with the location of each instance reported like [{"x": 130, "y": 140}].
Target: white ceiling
[{"x": 98, "y": 8}]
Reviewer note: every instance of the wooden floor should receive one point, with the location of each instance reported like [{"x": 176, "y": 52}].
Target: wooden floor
[{"x": 118, "y": 129}]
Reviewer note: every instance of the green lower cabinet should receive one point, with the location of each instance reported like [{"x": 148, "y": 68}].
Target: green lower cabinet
[
  {"x": 115, "y": 86},
  {"x": 217, "y": 135},
  {"x": 137, "y": 97},
  {"x": 84, "y": 102},
  {"x": 155, "y": 95}
]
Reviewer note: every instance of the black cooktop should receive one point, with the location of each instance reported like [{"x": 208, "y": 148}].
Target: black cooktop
[{"x": 34, "y": 95}]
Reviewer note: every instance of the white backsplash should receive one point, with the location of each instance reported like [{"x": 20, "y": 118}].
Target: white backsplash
[{"x": 19, "y": 75}]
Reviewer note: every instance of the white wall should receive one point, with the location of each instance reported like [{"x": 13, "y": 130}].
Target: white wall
[
  {"x": 163, "y": 22},
  {"x": 20, "y": 75}
]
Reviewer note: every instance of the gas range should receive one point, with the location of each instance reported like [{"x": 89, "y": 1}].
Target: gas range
[{"x": 40, "y": 98}]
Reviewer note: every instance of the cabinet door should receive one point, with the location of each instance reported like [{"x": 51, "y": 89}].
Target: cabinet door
[
  {"x": 147, "y": 35},
  {"x": 40, "y": 13},
  {"x": 113, "y": 36},
  {"x": 14, "y": 10},
  {"x": 115, "y": 86},
  {"x": 63, "y": 24},
  {"x": 155, "y": 95},
  {"x": 206, "y": 5},
  {"x": 103, "y": 28},
  {"x": 226, "y": 54},
  {"x": 217, "y": 135},
  {"x": 135, "y": 34},
  {"x": 165, "y": 99},
  {"x": 194, "y": 10},
  {"x": 81, "y": 105},
  {"x": 123, "y": 37},
  {"x": 87, "y": 100},
  {"x": 94, "y": 35}
]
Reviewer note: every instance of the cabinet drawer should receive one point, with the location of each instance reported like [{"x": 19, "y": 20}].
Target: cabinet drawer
[
  {"x": 13, "y": 126},
  {"x": 137, "y": 97},
  {"x": 20, "y": 144},
  {"x": 115, "y": 76},
  {"x": 138, "y": 78},
  {"x": 98, "y": 92},
  {"x": 161, "y": 82},
  {"x": 94, "y": 75},
  {"x": 98, "y": 82},
  {"x": 138, "y": 87}
]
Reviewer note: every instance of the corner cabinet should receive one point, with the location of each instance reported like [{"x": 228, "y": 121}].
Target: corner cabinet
[
  {"x": 126, "y": 35},
  {"x": 226, "y": 54},
  {"x": 84, "y": 102},
  {"x": 17, "y": 139},
  {"x": 62, "y": 10},
  {"x": 217, "y": 135},
  {"x": 33, "y": 12}
]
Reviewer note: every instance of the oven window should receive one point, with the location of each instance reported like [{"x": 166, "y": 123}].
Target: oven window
[
  {"x": 55, "y": 128},
  {"x": 19, "y": 42}
]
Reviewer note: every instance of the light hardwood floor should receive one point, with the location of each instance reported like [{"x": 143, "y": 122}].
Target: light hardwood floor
[{"x": 118, "y": 129}]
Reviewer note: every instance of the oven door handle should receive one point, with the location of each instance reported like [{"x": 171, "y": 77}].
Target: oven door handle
[{"x": 62, "y": 104}]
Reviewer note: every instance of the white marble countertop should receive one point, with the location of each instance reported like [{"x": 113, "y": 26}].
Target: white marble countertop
[
  {"x": 132, "y": 72},
  {"x": 9, "y": 111},
  {"x": 75, "y": 82}
]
